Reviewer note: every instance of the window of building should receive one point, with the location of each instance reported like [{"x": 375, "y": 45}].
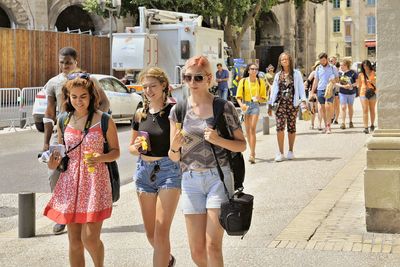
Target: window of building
[
  {"x": 371, "y": 2},
  {"x": 371, "y": 52},
  {"x": 347, "y": 29},
  {"x": 371, "y": 27},
  {"x": 336, "y": 24},
  {"x": 347, "y": 51},
  {"x": 348, "y": 3},
  {"x": 336, "y": 3}
]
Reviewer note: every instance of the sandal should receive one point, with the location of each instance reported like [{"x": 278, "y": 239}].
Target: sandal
[
  {"x": 172, "y": 261},
  {"x": 343, "y": 126},
  {"x": 252, "y": 159}
]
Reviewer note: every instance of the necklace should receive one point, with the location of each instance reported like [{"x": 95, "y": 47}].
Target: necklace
[
  {"x": 154, "y": 116},
  {"x": 78, "y": 119}
]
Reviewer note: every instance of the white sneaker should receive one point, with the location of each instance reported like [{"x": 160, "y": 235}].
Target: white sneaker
[
  {"x": 279, "y": 157},
  {"x": 290, "y": 155}
]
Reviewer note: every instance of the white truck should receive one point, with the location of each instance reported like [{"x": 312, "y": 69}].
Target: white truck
[{"x": 167, "y": 39}]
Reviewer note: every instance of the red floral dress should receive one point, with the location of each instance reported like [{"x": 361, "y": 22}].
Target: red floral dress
[{"x": 81, "y": 196}]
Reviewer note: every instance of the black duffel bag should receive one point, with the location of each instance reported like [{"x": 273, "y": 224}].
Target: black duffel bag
[{"x": 236, "y": 213}]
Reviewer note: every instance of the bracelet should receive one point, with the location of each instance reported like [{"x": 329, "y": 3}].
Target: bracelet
[{"x": 174, "y": 151}]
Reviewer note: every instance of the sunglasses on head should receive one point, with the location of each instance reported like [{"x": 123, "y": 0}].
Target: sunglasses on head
[
  {"x": 82, "y": 75},
  {"x": 153, "y": 175},
  {"x": 196, "y": 78}
]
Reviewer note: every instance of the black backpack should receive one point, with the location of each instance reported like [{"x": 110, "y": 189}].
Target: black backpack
[{"x": 236, "y": 160}]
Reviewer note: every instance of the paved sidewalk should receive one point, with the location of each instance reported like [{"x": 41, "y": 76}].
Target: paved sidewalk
[{"x": 308, "y": 212}]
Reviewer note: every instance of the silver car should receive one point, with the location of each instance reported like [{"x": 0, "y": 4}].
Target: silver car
[{"x": 123, "y": 101}]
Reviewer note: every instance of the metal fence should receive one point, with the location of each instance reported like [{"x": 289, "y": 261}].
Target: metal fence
[
  {"x": 9, "y": 106},
  {"x": 16, "y": 107}
]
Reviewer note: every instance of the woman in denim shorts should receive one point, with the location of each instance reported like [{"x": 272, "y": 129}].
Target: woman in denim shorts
[
  {"x": 158, "y": 179},
  {"x": 251, "y": 92},
  {"x": 202, "y": 188},
  {"x": 367, "y": 80}
]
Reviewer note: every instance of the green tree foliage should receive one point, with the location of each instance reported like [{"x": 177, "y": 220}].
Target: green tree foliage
[{"x": 236, "y": 16}]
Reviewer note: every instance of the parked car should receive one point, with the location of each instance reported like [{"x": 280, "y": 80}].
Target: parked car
[{"x": 123, "y": 101}]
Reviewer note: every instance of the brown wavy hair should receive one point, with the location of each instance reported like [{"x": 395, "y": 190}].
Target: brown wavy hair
[
  {"x": 291, "y": 63},
  {"x": 161, "y": 76},
  {"x": 86, "y": 83}
]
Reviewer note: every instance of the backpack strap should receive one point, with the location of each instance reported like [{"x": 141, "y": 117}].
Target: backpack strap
[
  {"x": 104, "y": 124},
  {"x": 180, "y": 110},
  {"x": 63, "y": 121}
]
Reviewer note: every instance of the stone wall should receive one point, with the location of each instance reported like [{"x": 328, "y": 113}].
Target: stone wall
[{"x": 382, "y": 175}]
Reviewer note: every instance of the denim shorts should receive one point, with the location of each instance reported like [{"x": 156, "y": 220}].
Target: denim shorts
[
  {"x": 322, "y": 99},
  {"x": 346, "y": 99},
  {"x": 254, "y": 108},
  {"x": 168, "y": 175},
  {"x": 202, "y": 190}
]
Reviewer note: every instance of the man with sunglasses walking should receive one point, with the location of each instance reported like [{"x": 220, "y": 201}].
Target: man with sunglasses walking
[
  {"x": 67, "y": 61},
  {"x": 222, "y": 77}
]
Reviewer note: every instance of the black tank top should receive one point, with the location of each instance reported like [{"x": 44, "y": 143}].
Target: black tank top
[{"x": 158, "y": 128}]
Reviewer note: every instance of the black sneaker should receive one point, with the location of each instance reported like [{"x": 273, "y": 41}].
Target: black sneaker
[
  {"x": 335, "y": 122},
  {"x": 58, "y": 229},
  {"x": 351, "y": 125},
  {"x": 366, "y": 131},
  {"x": 372, "y": 128},
  {"x": 172, "y": 261}
]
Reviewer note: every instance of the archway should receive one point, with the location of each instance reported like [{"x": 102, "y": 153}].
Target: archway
[
  {"x": 268, "y": 40},
  {"x": 4, "y": 19},
  {"x": 74, "y": 17},
  {"x": 267, "y": 30}
]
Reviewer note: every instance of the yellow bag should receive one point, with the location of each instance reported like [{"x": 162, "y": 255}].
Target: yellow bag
[
  {"x": 306, "y": 115},
  {"x": 329, "y": 90}
]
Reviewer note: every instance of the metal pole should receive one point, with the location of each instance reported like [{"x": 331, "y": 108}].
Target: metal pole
[
  {"x": 265, "y": 125},
  {"x": 26, "y": 214},
  {"x": 110, "y": 12}
]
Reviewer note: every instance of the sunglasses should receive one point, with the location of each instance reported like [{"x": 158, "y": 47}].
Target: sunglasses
[
  {"x": 253, "y": 68},
  {"x": 82, "y": 75},
  {"x": 153, "y": 174},
  {"x": 196, "y": 78}
]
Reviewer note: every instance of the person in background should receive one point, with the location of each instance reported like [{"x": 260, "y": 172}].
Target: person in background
[
  {"x": 251, "y": 92},
  {"x": 222, "y": 77},
  {"x": 82, "y": 197},
  {"x": 336, "y": 101},
  {"x": 67, "y": 61},
  {"x": 347, "y": 91},
  {"x": 324, "y": 73},
  {"x": 312, "y": 99},
  {"x": 287, "y": 93},
  {"x": 158, "y": 178},
  {"x": 202, "y": 188},
  {"x": 367, "y": 81},
  {"x": 236, "y": 76},
  {"x": 270, "y": 75}
]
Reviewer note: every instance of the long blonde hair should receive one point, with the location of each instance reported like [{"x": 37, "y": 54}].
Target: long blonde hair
[{"x": 161, "y": 76}]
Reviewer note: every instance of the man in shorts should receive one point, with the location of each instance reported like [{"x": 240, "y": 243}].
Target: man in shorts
[{"x": 324, "y": 73}]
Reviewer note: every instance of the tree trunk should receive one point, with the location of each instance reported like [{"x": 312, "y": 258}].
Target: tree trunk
[{"x": 301, "y": 53}]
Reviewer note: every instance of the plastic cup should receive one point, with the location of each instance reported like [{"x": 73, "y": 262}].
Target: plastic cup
[{"x": 88, "y": 155}]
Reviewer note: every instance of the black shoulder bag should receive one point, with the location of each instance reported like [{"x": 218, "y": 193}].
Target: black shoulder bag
[
  {"x": 236, "y": 213},
  {"x": 111, "y": 166}
]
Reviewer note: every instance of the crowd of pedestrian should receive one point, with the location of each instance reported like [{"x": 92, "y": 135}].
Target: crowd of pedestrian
[{"x": 178, "y": 146}]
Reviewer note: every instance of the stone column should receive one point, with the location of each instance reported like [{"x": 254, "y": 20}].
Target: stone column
[{"x": 382, "y": 175}]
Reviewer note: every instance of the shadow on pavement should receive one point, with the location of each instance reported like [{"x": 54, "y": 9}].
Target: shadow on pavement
[
  {"x": 317, "y": 158},
  {"x": 139, "y": 228}
]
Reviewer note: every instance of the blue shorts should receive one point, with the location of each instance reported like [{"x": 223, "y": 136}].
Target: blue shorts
[
  {"x": 322, "y": 99},
  {"x": 254, "y": 108},
  {"x": 168, "y": 175},
  {"x": 346, "y": 99},
  {"x": 202, "y": 190}
]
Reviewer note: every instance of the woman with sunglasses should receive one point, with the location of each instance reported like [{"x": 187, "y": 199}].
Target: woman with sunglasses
[
  {"x": 82, "y": 197},
  {"x": 251, "y": 92},
  {"x": 158, "y": 179},
  {"x": 202, "y": 188},
  {"x": 287, "y": 92}
]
